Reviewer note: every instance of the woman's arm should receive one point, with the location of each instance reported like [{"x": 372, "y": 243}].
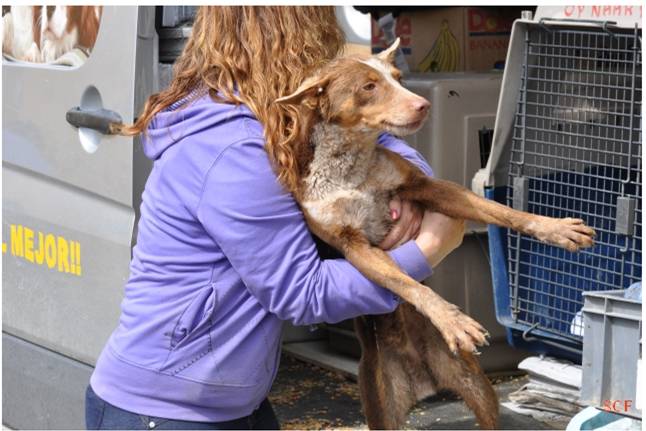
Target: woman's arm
[
  {"x": 261, "y": 230},
  {"x": 400, "y": 147},
  {"x": 439, "y": 234},
  {"x": 406, "y": 215}
]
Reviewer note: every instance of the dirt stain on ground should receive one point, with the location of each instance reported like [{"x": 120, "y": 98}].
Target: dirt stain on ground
[{"x": 305, "y": 396}]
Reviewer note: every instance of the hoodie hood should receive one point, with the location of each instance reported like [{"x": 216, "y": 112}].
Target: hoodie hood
[{"x": 186, "y": 117}]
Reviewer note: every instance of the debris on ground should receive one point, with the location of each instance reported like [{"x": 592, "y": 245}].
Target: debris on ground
[{"x": 306, "y": 396}]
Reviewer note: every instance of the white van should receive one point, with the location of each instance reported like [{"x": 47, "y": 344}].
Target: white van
[
  {"x": 70, "y": 203},
  {"x": 71, "y": 196}
]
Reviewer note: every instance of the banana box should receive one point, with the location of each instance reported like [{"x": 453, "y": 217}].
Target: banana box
[{"x": 452, "y": 39}]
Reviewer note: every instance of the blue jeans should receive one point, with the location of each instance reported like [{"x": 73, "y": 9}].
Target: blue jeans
[{"x": 102, "y": 415}]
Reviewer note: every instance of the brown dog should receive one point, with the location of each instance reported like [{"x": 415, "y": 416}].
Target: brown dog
[{"x": 346, "y": 186}]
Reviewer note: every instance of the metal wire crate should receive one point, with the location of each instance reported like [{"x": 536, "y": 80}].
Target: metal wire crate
[{"x": 576, "y": 152}]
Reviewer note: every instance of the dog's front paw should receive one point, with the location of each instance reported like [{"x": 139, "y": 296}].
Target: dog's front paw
[
  {"x": 49, "y": 52},
  {"x": 33, "y": 54},
  {"x": 460, "y": 331},
  {"x": 568, "y": 233}
]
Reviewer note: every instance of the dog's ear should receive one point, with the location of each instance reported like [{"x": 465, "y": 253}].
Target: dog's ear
[
  {"x": 388, "y": 55},
  {"x": 310, "y": 90}
]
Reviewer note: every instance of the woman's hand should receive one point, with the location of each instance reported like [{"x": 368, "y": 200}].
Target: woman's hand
[
  {"x": 408, "y": 219},
  {"x": 439, "y": 235}
]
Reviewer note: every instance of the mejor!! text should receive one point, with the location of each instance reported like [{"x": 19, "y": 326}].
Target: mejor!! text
[{"x": 40, "y": 248}]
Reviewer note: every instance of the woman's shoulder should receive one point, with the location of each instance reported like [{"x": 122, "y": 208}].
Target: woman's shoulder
[
  {"x": 227, "y": 121},
  {"x": 199, "y": 124},
  {"x": 188, "y": 141},
  {"x": 229, "y": 128}
]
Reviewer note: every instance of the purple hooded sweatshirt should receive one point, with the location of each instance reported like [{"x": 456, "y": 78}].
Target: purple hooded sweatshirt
[{"x": 223, "y": 257}]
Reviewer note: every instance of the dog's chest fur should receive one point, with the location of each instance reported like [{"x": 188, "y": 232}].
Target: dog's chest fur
[{"x": 350, "y": 182}]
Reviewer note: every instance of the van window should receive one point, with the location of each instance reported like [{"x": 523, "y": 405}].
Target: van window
[{"x": 56, "y": 35}]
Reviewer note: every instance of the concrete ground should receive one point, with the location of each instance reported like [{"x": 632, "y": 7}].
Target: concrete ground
[{"x": 305, "y": 396}]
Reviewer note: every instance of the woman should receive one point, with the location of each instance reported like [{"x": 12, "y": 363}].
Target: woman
[{"x": 223, "y": 254}]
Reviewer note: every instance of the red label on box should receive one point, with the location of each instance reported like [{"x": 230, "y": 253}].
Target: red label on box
[
  {"x": 602, "y": 11},
  {"x": 481, "y": 21}
]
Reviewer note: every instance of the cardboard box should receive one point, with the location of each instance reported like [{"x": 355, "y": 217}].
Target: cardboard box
[{"x": 452, "y": 39}]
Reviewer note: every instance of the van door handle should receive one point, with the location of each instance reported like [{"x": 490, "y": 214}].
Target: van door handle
[{"x": 102, "y": 120}]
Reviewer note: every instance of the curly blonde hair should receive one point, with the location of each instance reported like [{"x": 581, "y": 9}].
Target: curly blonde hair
[{"x": 253, "y": 55}]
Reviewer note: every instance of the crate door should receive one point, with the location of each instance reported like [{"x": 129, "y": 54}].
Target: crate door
[
  {"x": 69, "y": 195},
  {"x": 576, "y": 152}
]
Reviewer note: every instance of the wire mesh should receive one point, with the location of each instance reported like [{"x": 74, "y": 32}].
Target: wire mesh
[{"x": 577, "y": 147}]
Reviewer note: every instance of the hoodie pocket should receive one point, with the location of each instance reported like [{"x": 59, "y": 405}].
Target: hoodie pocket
[{"x": 195, "y": 321}]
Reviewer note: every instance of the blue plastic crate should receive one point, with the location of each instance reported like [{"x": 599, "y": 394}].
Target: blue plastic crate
[{"x": 556, "y": 297}]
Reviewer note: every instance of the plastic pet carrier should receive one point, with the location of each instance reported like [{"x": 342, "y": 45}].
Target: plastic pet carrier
[{"x": 567, "y": 143}]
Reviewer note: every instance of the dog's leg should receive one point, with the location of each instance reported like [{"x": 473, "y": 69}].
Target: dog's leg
[
  {"x": 459, "y": 330},
  {"x": 456, "y": 201},
  {"x": 461, "y": 375},
  {"x": 472, "y": 385},
  {"x": 476, "y": 391},
  {"x": 374, "y": 386},
  {"x": 33, "y": 54},
  {"x": 387, "y": 392},
  {"x": 465, "y": 378},
  {"x": 7, "y": 32}
]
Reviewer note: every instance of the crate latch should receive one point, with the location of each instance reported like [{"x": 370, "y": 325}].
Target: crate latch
[
  {"x": 521, "y": 193},
  {"x": 625, "y": 216}
]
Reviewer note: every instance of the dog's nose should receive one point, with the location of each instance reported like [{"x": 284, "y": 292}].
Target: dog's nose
[{"x": 421, "y": 105}]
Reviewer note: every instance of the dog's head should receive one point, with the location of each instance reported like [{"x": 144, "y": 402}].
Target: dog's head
[{"x": 362, "y": 94}]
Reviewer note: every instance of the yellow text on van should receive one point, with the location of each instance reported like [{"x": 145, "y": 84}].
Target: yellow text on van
[{"x": 40, "y": 248}]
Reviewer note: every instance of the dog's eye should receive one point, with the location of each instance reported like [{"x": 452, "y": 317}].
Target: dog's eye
[{"x": 369, "y": 86}]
